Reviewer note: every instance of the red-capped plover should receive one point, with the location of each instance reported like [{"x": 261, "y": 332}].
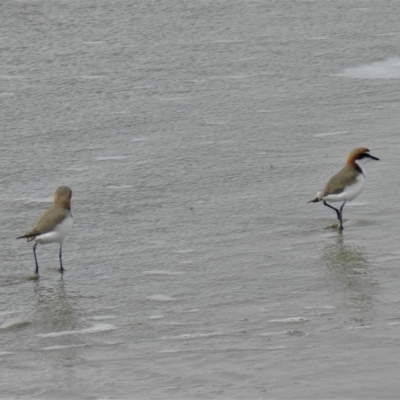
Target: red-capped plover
[{"x": 348, "y": 183}]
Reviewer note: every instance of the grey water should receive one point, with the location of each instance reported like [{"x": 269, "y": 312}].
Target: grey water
[{"x": 192, "y": 135}]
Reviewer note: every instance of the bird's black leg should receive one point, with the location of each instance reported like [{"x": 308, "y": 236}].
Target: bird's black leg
[
  {"x": 36, "y": 263},
  {"x": 341, "y": 215},
  {"x": 60, "y": 256},
  {"x": 333, "y": 208},
  {"x": 338, "y": 213}
]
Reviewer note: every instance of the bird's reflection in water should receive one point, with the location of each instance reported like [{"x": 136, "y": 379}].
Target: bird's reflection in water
[
  {"x": 54, "y": 308},
  {"x": 350, "y": 276},
  {"x": 57, "y": 314}
]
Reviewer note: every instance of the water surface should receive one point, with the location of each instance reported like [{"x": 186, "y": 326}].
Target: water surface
[{"x": 192, "y": 135}]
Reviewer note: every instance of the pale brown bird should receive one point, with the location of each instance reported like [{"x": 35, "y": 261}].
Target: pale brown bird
[{"x": 54, "y": 224}]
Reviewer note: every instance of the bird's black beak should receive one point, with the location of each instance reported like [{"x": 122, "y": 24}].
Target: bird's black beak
[{"x": 370, "y": 156}]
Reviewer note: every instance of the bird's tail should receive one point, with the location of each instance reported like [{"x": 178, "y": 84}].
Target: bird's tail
[
  {"x": 28, "y": 236},
  {"x": 317, "y": 199}
]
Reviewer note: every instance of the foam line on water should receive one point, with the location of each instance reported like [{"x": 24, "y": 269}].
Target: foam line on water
[
  {"x": 160, "y": 297},
  {"x": 185, "y": 336},
  {"x": 6, "y": 353},
  {"x": 111, "y": 158},
  {"x": 159, "y": 316},
  {"x": 289, "y": 320},
  {"x": 49, "y": 348},
  {"x": 387, "y": 69},
  {"x": 14, "y": 323},
  {"x": 386, "y": 258},
  {"x": 94, "y": 329},
  {"x": 350, "y": 328},
  {"x": 184, "y": 251}
]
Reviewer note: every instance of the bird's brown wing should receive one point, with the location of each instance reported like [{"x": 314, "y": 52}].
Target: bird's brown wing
[
  {"x": 345, "y": 177},
  {"x": 46, "y": 222}
]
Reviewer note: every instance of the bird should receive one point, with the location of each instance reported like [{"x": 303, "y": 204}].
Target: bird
[
  {"x": 53, "y": 225},
  {"x": 348, "y": 183}
]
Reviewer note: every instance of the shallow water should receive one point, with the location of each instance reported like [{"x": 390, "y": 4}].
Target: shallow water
[{"x": 192, "y": 135}]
